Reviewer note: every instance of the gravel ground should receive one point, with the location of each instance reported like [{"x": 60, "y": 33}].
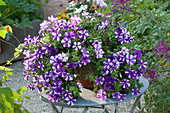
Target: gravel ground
[{"x": 35, "y": 105}]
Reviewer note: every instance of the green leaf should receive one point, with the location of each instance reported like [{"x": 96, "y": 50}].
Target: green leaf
[
  {"x": 2, "y": 108},
  {"x": 20, "y": 90},
  {"x": 9, "y": 73},
  {"x": 17, "y": 108},
  {"x": 16, "y": 54},
  {"x": 5, "y": 68},
  {"x": 5, "y": 98},
  {"x": 1, "y": 82},
  {"x": 2, "y": 3},
  {"x": 27, "y": 97},
  {"x": 16, "y": 96},
  {"x": 25, "y": 111},
  {"x": 5, "y": 78}
]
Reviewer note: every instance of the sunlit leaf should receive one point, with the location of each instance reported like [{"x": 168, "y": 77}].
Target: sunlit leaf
[
  {"x": 6, "y": 98},
  {"x": 5, "y": 68},
  {"x": 2, "y": 3},
  {"x": 4, "y": 30},
  {"x": 20, "y": 90}
]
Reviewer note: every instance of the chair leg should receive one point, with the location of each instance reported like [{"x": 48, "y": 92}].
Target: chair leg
[
  {"x": 116, "y": 108},
  {"x": 62, "y": 109},
  {"x": 55, "y": 110},
  {"x": 135, "y": 104},
  {"x": 105, "y": 110},
  {"x": 85, "y": 109}
]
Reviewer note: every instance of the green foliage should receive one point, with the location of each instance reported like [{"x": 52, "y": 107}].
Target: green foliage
[
  {"x": 157, "y": 98},
  {"x": 20, "y": 12},
  {"x": 148, "y": 21},
  {"x": 2, "y": 3},
  {"x": 10, "y": 101}
]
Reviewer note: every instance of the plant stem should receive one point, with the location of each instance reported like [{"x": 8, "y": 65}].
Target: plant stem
[
  {"x": 16, "y": 38},
  {"x": 8, "y": 43}
]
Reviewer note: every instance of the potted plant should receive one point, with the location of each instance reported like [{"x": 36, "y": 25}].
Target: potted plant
[{"x": 54, "y": 59}]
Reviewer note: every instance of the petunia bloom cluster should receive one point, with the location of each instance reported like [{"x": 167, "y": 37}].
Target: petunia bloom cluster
[
  {"x": 127, "y": 76},
  {"x": 53, "y": 59}
]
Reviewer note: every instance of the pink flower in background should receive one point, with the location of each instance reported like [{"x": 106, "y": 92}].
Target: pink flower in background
[{"x": 121, "y": 5}]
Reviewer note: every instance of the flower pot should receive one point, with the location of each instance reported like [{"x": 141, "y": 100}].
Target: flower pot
[{"x": 83, "y": 72}]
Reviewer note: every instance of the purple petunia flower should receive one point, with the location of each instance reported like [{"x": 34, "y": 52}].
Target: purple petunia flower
[
  {"x": 69, "y": 35},
  {"x": 53, "y": 74},
  {"x": 75, "y": 26},
  {"x": 125, "y": 83},
  {"x": 103, "y": 25},
  {"x": 115, "y": 63},
  {"x": 83, "y": 34},
  {"x": 39, "y": 52},
  {"x": 51, "y": 98},
  {"x": 59, "y": 90},
  {"x": 101, "y": 94},
  {"x": 139, "y": 72},
  {"x": 85, "y": 60},
  {"x": 130, "y": 59},
  {"x": 52, "y": 19},
  {"x": 66, "y": 42},
  {"x": 121, "y": 97},
  {"x": 129, "y": 39},
  {"x": 97, "y": 44},
  {"x": 99, "y": 53},
  {"x": 142, "y": 64},
  {"x": 57, "y": 82},
  {"x": 77, "y": 46},
  {"x": 108, "y": 86},
  {"x": 55, "y": 61},
  {"x": 110, "y": 79},
  {"x": 26, "y": 75},
  {"x": 135, "y": 91},
  {"x": 41, "y": 65},
  {"x": 71, "y": 65},
  {"x": 27, "y": 64},
  {"x": 63, "y": 57},
  {"x": 86, "y": 14},
  {"x": 57, "y": 97},
  {"x": 107, "y": 63},
  {"x": 80, "y": 86},
  {"x": 44, "y": 25},
  {"x": 71, "y": 101},
  {"x": 35, "y": 40},
  {"x": 56, "y": 35},
  {"x": 67, "y": 25},
  {"x": 78, "y": 64},
  {"x": 27, "y": 54},
  {"x": 68, "y": 77},
  {"x": 116, "y": 95},
  {"x": 31, "y": 87},
  {"x": 75, "y": 19},
  {"x": 67, "y": 95},
  {"x": 105, "y": 71},
  {"x": 61, "y": 72},
  {"x": 130, "y": 73},
  {"x": 99, "y": 81},
  {"x": 125, "y": 51},
  {"x": 137, "y": 54},
  {"x": 27, "y": 40},
  {"x": 85, "y": 52}
]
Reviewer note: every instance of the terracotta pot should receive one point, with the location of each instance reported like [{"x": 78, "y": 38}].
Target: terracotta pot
[{"x": 83, "y": 72}]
